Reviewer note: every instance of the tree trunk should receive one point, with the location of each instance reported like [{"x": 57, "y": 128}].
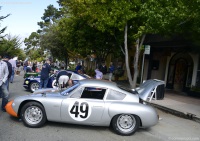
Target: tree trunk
[
  {"x": 135, "y": 64},
  {"x": 126, "y": 56},
  {"x": 136, "y": 59}
]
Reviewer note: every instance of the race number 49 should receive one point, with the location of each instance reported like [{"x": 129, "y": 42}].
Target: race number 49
[{"x": 79, "y": 111}]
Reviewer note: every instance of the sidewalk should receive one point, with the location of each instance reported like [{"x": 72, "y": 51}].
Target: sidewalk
[
  {"x": 176, "y": 103},
  {"x": 179, "y": 104}
]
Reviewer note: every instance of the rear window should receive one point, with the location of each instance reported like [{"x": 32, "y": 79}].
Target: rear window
[{"x": 115, "y": 95}]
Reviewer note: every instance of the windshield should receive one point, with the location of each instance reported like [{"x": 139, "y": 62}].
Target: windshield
[{"x": 70, "y": 89}]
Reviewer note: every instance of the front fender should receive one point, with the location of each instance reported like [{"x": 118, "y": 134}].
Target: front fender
[{"x": 146, "y": 113}]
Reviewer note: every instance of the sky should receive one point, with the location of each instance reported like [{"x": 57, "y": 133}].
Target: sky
[{"x": 24, "y": 16}]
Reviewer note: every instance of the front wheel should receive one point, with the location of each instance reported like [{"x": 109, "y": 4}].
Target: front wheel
[
  {"x": 33, "y": 115},
  {"x": 125, "y": 124},
  {"x": 34, "y": 86}
]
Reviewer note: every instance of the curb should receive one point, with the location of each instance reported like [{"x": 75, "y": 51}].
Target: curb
[{"x": 177, "y": 113}]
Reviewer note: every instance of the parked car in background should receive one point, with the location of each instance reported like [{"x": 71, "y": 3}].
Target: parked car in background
[
  {"x": 32, "y": 82},
  {"x": 32, "y": 74}
]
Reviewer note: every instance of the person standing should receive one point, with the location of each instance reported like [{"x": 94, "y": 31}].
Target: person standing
[
  {"x": 46, "y": 69},
  {"x": 9, "y": 65},
  {"x": 34, "y": 66},
  {"x": 13, "y": 63},
  {"x": 111, "y": 70},
  {"x": 3, "y": 88},
  {"x": 103, "y": 69},
  {"x": 99, "y": 74},
  {"x": 78, "y": 67},
  {"x": 18, "y": 69}
]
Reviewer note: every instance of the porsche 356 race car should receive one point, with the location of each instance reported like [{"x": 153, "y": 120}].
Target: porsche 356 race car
[{"x": 89, "y": 102}]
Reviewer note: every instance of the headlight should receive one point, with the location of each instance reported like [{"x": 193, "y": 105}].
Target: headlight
[
  {"x": 26, "y": 82},
  {"x": 13, "y": 104}
]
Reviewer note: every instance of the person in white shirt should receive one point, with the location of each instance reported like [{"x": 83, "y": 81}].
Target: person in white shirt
[
  {"x": 13, "y": 63},
  {"x": 99, "y": 74},
  {"x": 3, "y": 87}
]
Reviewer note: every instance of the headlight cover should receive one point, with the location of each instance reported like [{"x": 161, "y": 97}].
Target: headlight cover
[{"x": 26, "y": 82}]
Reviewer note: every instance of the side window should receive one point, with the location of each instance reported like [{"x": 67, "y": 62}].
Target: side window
[
  {"x": 115, "y": 95},
  {"x": 93, "y": 93}
]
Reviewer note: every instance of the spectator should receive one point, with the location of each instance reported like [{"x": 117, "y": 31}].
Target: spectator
[
  {"x": 103, "y": 69},
  {"x": 34, "y": 66},
  {"x": 18, "y": 68},
  {"x": 111, "y": 70},
  {"x": 5, "y": 59},
  {"x": 25, "y": 65},
  {"x": 99, "y": 74},
  {"x": 44, "y": 78},
  {"x": 62, "y": 77},
  {"x": 78, "y": 67},
  {"x": 3, "y": 88},
  {"x": 13, "y": 63}
]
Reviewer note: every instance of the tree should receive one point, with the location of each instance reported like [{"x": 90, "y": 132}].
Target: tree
[
  {"x": 11, "y": 46},
  {"x": 3, "y": 29},
  {"x": 79, "y": 37},
  {"x": 136, "y": 19},
  {"x": 51, "y": 14}
]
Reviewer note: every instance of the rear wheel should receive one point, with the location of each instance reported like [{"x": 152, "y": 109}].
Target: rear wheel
[
  {"x": 34, "y": 86},
  {"x": 33, "y": 115},
  {"x": 125, "y": 124}
]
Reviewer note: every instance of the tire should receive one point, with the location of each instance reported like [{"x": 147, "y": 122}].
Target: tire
[
  {"x": 34, "y": 86},
  {"x": 33, "y": 115},
  {"x": 125, "y": 124},
  {"x": 54, "y": 84}
]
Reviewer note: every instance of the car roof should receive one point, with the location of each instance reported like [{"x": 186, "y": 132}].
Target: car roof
[{"x": 98, "y": 83}]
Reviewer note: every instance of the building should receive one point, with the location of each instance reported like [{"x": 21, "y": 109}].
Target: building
[{"x": 174, "y": 60}]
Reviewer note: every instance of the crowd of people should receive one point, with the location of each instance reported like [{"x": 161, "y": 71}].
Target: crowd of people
[{"x": 9, "y": 67}]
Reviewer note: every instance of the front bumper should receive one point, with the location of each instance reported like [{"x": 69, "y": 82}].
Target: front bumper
[{"x": 10, "y": 110}]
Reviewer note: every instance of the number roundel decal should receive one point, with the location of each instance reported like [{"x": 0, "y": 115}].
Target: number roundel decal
[{"x": 79, "y": 110}]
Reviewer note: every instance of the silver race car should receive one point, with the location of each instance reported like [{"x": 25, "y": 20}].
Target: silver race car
[{"x": 89, "y": 102}]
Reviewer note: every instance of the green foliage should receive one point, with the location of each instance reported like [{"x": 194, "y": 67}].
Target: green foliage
[
  {"x": 51, "y": 14},
  {"x": 3, "y": 29},
  {"x": 32, "y": 41},
  {"x": 11, "y": 46}
]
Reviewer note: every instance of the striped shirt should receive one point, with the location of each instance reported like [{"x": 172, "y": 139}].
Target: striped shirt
[{"x": 3, "y": 72}]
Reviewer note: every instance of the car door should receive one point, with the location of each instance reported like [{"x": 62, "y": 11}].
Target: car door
[{"x": 84, "y": 108}]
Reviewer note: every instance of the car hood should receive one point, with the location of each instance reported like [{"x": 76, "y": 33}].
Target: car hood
[
  {"x": 46, "y": 90},
  {"x": 145, "y": 89}
]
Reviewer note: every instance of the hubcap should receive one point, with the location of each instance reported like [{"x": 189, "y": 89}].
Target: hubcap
[
  {"x": 126, "y": 122},
  {"x": 33, "y": 115},
  {"x": 34, "y": 86}
]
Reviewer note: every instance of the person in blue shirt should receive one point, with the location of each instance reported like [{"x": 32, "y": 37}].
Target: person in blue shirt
[
  {"x": 44, "y": 78},
  {"x": 78, "y": 67}
]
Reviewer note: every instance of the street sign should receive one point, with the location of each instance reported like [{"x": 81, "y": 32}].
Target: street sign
[{"x": 147, "y": 49}]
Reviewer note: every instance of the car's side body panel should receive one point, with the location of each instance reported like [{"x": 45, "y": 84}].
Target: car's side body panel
[{"x": 70, "y": 107}]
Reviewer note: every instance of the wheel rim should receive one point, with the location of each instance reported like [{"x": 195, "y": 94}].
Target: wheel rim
[
  {"x": 126, "y": 123},
  {"x": 33, "y": 115},
  {"x": 34, "y": 86}
]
